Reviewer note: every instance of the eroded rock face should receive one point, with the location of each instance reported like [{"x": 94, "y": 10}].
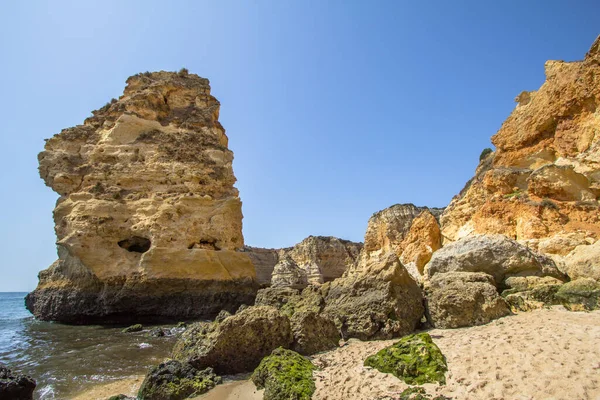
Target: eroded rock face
[
  {"x": 287, "y": 274},
  {"x": 495, "y": 255},
  {"x": 15, "y": 387},
  {"x": 459, "y": 299},
  {"x": 148, "y": 221},
  {"x": 543, "y": 180},
  {"x": 238, "y": 343},
  {"x": 376, "y": 299}
]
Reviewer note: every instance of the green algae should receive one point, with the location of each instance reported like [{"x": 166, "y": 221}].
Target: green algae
[
  {"x": 133, "y": 328},
  {"x": 415, "y": 359},
  {"x": 580, "y": 295},
  {"x": 285, "y": 374}
]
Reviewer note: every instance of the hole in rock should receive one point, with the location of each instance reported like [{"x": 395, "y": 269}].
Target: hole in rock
[
  {"x": 136, "y": 244},
  {"x": 207, "y": 244}
]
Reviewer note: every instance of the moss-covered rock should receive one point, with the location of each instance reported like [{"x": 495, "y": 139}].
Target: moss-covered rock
[
  {"x": 580, "y": 294},
  {"x": 133, "y": 328},
  {"x": 415, "y": 359},
  {"x": 173, "y": 380},
  {"x": 285, "y": 374}
]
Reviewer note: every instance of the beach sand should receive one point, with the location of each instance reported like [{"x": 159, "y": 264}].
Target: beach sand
[
  {"x": 549, "y": 354},
  {"x": 129, "y": 386}
]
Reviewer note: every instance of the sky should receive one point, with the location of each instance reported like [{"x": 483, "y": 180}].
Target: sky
[{"x": 334, "y": 109}]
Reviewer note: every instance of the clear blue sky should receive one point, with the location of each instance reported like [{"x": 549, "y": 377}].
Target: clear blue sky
[{"x": 334, "y": 109}]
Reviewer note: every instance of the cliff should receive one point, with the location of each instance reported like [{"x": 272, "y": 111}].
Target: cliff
[
  {"x": 148, "y": 222},
  {"x": 542, "y": 184}
]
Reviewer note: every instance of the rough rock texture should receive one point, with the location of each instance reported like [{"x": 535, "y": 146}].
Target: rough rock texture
[
  {"x": 584, "y": 262},
  {"x": 376, "y": 299},
  {"x": 285, "y": 374},
  {"x": 173, "y": 380},
  {"x": 148, "y": 221},
  {"x": 459, "y": 299},
  {"x": 415, "y": 359},
  {"x": 320, "y": 258},
  {"x": 313, "y": 333},
  {"x": 388, "y": 228},
  {"x": 422, "y": 240},
  {"x": 264, "y": 261},
  {"x": 287, "y": 274},
  {"x": 238, "y": 343},
  {"x": 323, "y": 258},
  {"x": 275, "y": 297},
  {"x": 495, "y": 255},
  {"x": 543, "y": 180},
  {"x": 15, "y": 387}
]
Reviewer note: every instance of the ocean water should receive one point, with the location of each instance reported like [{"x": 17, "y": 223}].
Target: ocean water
[{"x": 66, "y": 360}]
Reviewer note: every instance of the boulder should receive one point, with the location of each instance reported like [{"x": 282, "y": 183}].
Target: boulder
[
  {"x": 459, "y": 299},
  {"x": 133, "y": 328},
  {"x": 495, "y": 255},
  {"x": 275, "y": 296},
  {"x": 238, "y": 343},
  {"x": 582, "y": 294},
  {"x": 285, "y": 374},
  {"x": 173, "y": 380},
  {"x": 376, "y": 299},
  {"x": 15, "y": 386},
  {"x": 583, "y": 262},
  {"x": 415, "y": 359},
  {"x": 313, "y": 333}
]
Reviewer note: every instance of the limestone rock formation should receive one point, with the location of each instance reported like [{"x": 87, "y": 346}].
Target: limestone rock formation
[
  {"x": 459, "y": 299},
  {"x": 287, "y": 274},
  {"x": 172, "y": 380},
  {"x": 411, "y": 232},
  {"x": 320, "y": 258},
  {"x": 376, "y": 299},
  {"x": 148, "y": 220},
  {"x": 495, "y": 255},
  {"x": 543, "y": 180},
  {"x": 238, "y": 343}
]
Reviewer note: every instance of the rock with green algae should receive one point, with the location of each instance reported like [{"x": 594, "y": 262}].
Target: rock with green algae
[
  {"x": 133, "y": 328},
  {"x": 173, "y": 380},
  {"x": 415, "y": 359},
  {"x": 580, "y": 295},
  {"x": 285, "y": 374},
  {"x": 121, "y": 397}
]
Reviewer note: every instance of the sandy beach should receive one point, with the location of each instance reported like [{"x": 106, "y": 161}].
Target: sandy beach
[{"x": 544, "y": 354}]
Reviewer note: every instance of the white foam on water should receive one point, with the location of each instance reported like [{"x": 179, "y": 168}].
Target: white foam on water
[{"x": 144, "y": 345}]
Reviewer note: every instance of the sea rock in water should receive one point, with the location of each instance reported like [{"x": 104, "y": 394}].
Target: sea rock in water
[
  {"x": 173, "y": 380},
  {"x": 376, "y": 299},
  {"x": 415, "y": 359},
  {"x": 495, "y": 255},
  {"x": 285, "y": 374},
  {"x": 238, "y": 343},
  {"x": 14, "y": 386},
  {"x": 543, "y": 180},
  {"x": 133, "y": 328},
  {"x": 148, "y": 222},
  {"x": 459, "y": 299}
]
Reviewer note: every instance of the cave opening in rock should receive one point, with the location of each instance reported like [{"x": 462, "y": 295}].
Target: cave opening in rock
[{"x": 136, "y": 244}]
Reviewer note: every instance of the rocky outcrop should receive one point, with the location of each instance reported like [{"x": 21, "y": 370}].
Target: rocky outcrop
[
  {"x": 15, "y": 386},
  {"x": 459, "y": 299},
  {"x": 238, "y": 343},
  {"x": 323, "y": 258},
  {"x": 264, "y": 261},
  {"x": 411, "y": 232},
  {"x": 173, "y": 380},
  {"x": 148, "y": 222},
  {"x": 376, "y": 299},
  {"x": 495, "y": 255},
  {"x": 543, "y": 181},
  {"x": 287, "y": 274}
]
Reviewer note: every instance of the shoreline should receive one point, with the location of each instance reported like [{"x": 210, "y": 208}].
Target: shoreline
[{"x": 547, "y": 353}]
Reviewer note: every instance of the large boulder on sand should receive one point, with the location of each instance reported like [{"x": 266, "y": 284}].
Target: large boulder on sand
[
  {"x": 495, "y": 255},
  {"x": 584, "y": 262},
  {"x": 458, "y": 299},
  {"x": 173, "y": 380},
  {"x": 238, "y": 343},
  {"x": 376, "y": 299}
]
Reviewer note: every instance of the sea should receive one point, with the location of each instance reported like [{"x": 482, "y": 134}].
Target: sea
[{"x": 65, "y": 360}]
